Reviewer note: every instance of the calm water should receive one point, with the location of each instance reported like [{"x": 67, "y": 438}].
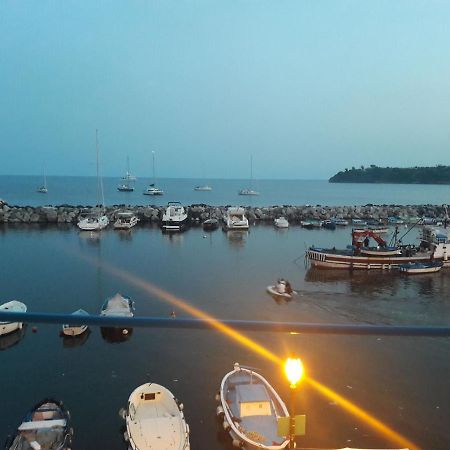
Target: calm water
[
  {"x": 82, "y": 191},
  {"x": 403, "y": 381}
]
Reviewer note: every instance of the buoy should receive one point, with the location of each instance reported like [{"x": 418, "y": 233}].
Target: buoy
[
  {"x": 217, "y": 397},
  {"x": 34, "y": 329},
  {"x": 220, "y": 412},
  {"x": 226, "y": 425},
  {"x": 125, "y": 331}
]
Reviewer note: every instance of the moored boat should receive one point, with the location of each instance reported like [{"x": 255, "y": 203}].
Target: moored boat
[
  {"x": 155, "y": 420},
  {"x": 75, "y": 330},
  {"x": 117, "y": 305},
  {"x": 235, "y": 219},
  {"x": 12, "y": 306},
  {"x": 210, "y": 224},
  {"x": 125, "y": 220},
  {"x": 174, "y": 218},
  {"x": 250, "y": 408},
  {"x": 46, "y": 427},
  {"x": 418, "y": 268},
  {"x": 203, "y": 188},
  {"x": 434, "y": 245},
  {"x": 95, "y": 220},
  {"x": 281, "y": 222}
]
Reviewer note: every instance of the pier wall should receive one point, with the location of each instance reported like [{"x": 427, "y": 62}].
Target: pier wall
[{"x": 198, "y": 213}]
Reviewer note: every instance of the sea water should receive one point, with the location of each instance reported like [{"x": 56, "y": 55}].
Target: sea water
[{"x": 402, "y": 381}]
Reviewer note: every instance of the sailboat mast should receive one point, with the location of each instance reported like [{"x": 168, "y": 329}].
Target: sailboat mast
[
  {"x": 153, "y": 156},
  {"x": 251, "y": 171},
  {"x": 100, "y": 194}
]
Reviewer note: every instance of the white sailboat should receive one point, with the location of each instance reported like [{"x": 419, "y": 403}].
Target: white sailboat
[
  {"x": 249, "y": 190},
  {"x": 152, "y": 189},
  {"x": 43, "y": 188},
  {"x": 97, "y": 219},
  {"x": 128, "y": 176}
]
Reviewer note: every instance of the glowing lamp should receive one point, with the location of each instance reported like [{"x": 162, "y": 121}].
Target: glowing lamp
[{"x": 293, "y": 368}]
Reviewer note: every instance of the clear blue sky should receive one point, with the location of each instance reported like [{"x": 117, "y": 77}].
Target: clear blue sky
[{"x": 307, "y": 87}]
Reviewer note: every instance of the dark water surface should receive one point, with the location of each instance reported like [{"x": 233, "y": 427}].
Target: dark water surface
[
  {"x": 402, "y": 381},
  {"x": 21, "y": 190}
]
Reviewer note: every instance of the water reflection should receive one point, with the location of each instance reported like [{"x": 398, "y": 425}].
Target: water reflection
[
  {"x": 76, "y": 341},
  {"x": 125, "y": 235},
  {"x": 175, "y": 238},
  {"x": 237, "y": 238},
  {"x": 115, "y": 335},
  {"x": 11, "y": 339},
  {"x": 91, "y": 237}
]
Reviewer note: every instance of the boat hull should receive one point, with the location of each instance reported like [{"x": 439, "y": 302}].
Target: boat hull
[
  {"x": 416, "y": 269},
  {"x": 93, "y": 225},
  {"x": 325, "y": 260},
  {"x": 10, "y": 327}
]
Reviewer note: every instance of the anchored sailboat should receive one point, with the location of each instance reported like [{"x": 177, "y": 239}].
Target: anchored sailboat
[
  {"x": 128, "y": 179},
  {"x": 97, "y": 219},
  {"x": 152, "y": 189},
  {"x": 249, "y": 191},
  {"x": 43, "y": 189}
]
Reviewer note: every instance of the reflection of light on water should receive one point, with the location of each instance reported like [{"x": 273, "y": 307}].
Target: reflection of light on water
[
  {"x": 259, "y": 349},
  {"x": 91, "y": 237}
]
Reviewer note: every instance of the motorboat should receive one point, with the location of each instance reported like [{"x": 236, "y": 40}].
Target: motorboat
[
  {"x": 210, "y": 224},
  {"x": 359, "y": 222},
  {"x": 75, "y": 330},
  {"x": 418, "y": 268},
  {"x": 235, "y": 219},
  {"x": 204, "y": 188},
  {"x": 46, "y": 427},
  {"x": 153, "y": 190},
  {"x": 328, "y": 225},
  {"x": 117, "y": 305},
  {"x": 339, "y": 222},
  {"x": 281, "y": 222},
  {"x": 310, "y": 224},
  {"x": 12, "y": 306},
  {"x": 128, "y": 176},
  {"x": 174, "y": 218},
  {"x": 93, "y": 221},
  {"x": 155, "y": 420},
  {"x": 125, "y": 220},
  {"x": 250, "y": 408},
  {"x": 125, "y": 187}
]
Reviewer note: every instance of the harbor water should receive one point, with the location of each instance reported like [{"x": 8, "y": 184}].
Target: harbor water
[{"x": 402, "y": 381}]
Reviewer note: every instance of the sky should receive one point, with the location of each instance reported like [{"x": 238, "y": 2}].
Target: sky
[{"x": 305, "y": 87}]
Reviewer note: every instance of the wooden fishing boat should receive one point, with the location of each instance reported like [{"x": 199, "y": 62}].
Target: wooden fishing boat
[
  {"x": 75, "y": 330},
  {"x": 155, "y": 420},
  {"x": 46, "y": 427},
  {"x": 418, "y": 268},
  {"x": 250, "y": 408}
]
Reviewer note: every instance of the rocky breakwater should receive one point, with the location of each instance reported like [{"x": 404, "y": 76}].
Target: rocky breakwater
[{"x": 198, "y": 213}]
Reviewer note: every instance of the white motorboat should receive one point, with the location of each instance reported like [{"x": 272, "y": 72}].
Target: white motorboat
[
  {"x": 152, "y": 189},
  {"x": 75, "y": 330},
  {"x": 203, "y": 188},
  {"x": 118, "y": 305},
  {"x": 155, "y": 420},
  {"x": 46, "y": 427},
  {"x": 125, "y": 187},
  {"x": 12, "y": 306},
  {"x": 250, "y": 190},
  {"x": 250, "y": 408},
  {"x": 235, "y": 219},
  {"x": 97, "y": 219},
  {"x": 281, "y": 222},
  {"x": 174, "y": 218},
  {"x": 125, "y": 220}
]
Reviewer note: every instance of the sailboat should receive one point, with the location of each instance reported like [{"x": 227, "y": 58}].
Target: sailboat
[
  {"x": 97, "y": 219},
  {"x": 249, "y": 191},
  {"x": 128, "y": 178},
  {"x": 152, "y": 189},
  {"x": 43, "y": 188}
]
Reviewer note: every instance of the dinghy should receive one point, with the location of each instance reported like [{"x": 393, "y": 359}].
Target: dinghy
[
  {"x": 250, "y": 408},
  {"x": 75, "y": 330},
  {"x": 418, "y": 267},
  {"x": 118, "y": 305},
  {"x": 155, "y": 420},
  {"x": 45, "y": 427},
  {"x": 12, "y": 306}
]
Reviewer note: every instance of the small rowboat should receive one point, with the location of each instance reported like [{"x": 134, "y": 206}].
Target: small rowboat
[
  {"x": 155, "y": 420},
  {"x": 12, "y": 306},
  {"x": 273, "y": 291},
  {"x": 46, "y": 427},
  {"x": 75, "y": 330},
  {"x": 417, "y": 268},
  {"x": 250, "y": 408}
]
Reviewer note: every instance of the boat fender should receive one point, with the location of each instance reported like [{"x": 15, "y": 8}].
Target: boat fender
[
  {"x": 237, "y": 443},
  {"x": 126, "y": 437},
  {"x": 217, "y": 397},
  {"x": 220, "y": 412},
  {"x": 181, "y": 406},
  {"x": 226, "y": 425}
]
